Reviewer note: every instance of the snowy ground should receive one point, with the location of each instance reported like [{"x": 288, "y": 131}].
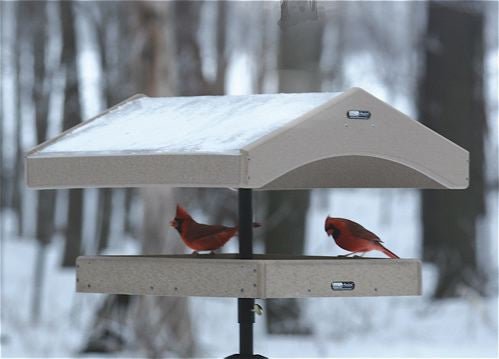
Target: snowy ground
[{"x": 343, "y": 327}]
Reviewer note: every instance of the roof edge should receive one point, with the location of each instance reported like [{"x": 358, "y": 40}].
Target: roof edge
[
  {"x": 419, "y": 123},
  {"x": 392, "y": 159}
]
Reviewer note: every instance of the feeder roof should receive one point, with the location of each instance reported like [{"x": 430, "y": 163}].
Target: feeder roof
[
  {"x": 278, "y": 141},
  {"x": 202, "y": 124}
]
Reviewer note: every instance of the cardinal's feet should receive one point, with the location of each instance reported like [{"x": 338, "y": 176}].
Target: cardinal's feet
[{"x": 196, "y": 253}]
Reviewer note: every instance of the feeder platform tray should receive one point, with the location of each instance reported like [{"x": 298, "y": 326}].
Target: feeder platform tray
[{"x": 265, "y": 276}]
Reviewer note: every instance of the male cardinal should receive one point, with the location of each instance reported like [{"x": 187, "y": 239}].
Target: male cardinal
[
  {"x": 201, "y": 237},
  {"x": 353, "y": 237}
]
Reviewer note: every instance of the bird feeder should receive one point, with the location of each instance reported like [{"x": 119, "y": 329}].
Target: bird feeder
[{"x": 262, "y": 142}]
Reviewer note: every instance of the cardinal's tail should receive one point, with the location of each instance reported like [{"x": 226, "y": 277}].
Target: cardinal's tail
[{"x": 388, "y": 252}]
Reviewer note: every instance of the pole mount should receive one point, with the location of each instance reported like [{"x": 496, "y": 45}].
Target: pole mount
[{"x": 245, "y": 312}]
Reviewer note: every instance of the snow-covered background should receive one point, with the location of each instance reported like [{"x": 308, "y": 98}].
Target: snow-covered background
[{"x": 341, "y": 327}]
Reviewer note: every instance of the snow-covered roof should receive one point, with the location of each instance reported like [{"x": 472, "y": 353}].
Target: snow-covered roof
[
  {"x": 277, "y": 141},
  {"x": 210, "y": 124}
]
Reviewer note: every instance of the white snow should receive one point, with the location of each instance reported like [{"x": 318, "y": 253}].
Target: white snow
[
  {"x": 211, "y": 124},
  {"x": 342, "y": 327},
  {"x": 65, "y": 315}
]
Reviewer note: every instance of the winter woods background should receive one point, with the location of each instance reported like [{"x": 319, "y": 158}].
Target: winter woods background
[{"x": 65, "y": 61}]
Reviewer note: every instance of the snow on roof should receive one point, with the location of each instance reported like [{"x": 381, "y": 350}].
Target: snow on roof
[{"x": 210, "y": 124}]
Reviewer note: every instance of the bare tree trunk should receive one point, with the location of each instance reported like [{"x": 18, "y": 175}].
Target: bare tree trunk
[
  {"x": 158, "y": 324},
  {"x": 189, "y": 67},
  {"x": 130, "y": 198},
  {"x": 104, "y": 213},
  {"x": 108, "y": 327},
  {"x": 263, "y": 48},
  {"x": 451, "y": 102},
  {"x": 129, "y": 87},
  {"x": 168, "y": 318},
  {"x": 111, "y": 92},
  {"x": 40, "y": 95},
  {"x": 218, "y": 87},
  {"x": 300, "y": 47},
  {"x": 18, "y": 184},
  {"x": 112, "y": 23},
  {"x": 191, "y": 82},
  {"x": 37, "y": 13},
  {"x": 165, "y": 324},
  {"x": 3, "y": 172},
  {"x": 333, "y": 74},
  {"x": 72, "y": 116},
  {"x": 74, "y": 228}
]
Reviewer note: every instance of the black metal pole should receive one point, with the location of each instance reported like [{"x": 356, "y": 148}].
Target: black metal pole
[
  {"x": 245, "y": 223},
  {"x": 246, "y": 316},
  {"x": 245, "y": 313}
]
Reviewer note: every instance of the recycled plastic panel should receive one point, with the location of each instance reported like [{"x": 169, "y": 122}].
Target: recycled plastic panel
[
  {"x": 265, "y": 276},
  {"x": 278, "y": 141},
  {"x": 328, "y": 149}
]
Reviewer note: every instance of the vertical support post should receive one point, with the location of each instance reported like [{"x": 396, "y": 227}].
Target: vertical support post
[
  {"x": 245, "y": 223},
  {"x": 246, "y": 316}
]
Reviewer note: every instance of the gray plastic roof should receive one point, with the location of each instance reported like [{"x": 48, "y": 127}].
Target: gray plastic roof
[{"x": 278, "y": 141}]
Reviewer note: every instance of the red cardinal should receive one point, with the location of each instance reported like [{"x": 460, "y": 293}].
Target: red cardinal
[
  {"x": 201, "y": 237},
  {"x": 353, "y": 237}
]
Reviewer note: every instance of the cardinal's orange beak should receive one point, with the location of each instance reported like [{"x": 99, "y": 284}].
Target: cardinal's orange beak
[{"x": 173, "y": 223}]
